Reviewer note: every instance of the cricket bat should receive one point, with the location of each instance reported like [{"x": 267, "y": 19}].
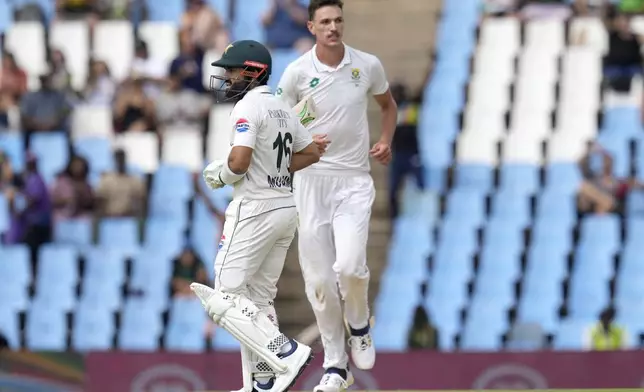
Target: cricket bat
[{"x": 305, "y": 110}]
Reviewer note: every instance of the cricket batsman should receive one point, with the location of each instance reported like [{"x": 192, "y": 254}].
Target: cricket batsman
[{"x": 268, "y": 144}]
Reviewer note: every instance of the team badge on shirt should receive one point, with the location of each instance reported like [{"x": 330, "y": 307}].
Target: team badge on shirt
[
  {"x": 314, "y": 82},
  {"x": 355, "y": 75},
  {"x": 242, "y": 125},
  {"x": 221, "y": 242},
  {"x": 279, "y": 91}
]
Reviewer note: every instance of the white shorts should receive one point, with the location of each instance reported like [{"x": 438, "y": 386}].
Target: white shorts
[
  {"x": 334, "y": 213},
  {"x": 255, "y": 239}
]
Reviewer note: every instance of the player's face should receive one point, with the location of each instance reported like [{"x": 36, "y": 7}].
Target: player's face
[{"x": 327, "y": 26}]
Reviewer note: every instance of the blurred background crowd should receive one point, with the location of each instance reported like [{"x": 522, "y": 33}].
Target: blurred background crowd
[{"x": 513, "y": 195}]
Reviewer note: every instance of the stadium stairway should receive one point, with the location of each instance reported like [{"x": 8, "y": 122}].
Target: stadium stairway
[{"x": 394, "y": 36}]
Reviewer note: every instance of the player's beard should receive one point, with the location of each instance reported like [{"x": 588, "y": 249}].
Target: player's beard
[{"x": 237, "y": 90}]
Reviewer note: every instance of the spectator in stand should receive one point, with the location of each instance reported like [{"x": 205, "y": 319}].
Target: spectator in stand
[
  {"x": 13, "y": 80},
  {"x": 45, "y": 110},
  {"x": 7, "y": 181},
  {"x": 9, "y": 113},
  {"x": 72, "y": 195},
  {"x": 606, "y": 335},
  {"x": 181, "y": 108},
  {"x": 61, "y": 78},
  {"x": 188, "y": 268},
  {"x": 120, "y": 194},
  {"x": 150, "y": 70},
  {"x": 600, "y": 192},
  {"x": 100, "y": 87},
  {"x": 422, "y": 334},
  {"x": 406, "y": 160},
  {"x": 133, "y": 110},
  {"x": 535, "y": 9},
  {"x": 584, "y": 8},
  {"x": 189, "y": 64},
  {"x": 624, "y": 59},
  {"x": 78, "y": 10},
  {"x": 35, "y": 217},
  {"x": 204, "y": 28},
  {"x": 499, "y": 8},
  {"x": 285, "y": 24}
]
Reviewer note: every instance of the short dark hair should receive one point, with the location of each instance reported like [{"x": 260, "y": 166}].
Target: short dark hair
[{"x": 315, "y": 5}]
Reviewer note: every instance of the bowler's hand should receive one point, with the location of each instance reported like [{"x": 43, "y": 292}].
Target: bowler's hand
[
  {"x": 381, "y": 152},
  {"x": 322, "y": 142}
]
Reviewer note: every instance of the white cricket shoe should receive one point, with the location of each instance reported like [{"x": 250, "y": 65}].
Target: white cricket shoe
[
  {"x": 296, "y": 360},
  {"x": 333, "y": 382},
  {"x": 363, "y": 351}
]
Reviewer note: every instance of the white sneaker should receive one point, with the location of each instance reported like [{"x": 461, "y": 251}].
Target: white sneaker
[
  {"x": 333, "y": 382},
  {"x": 363, "y": 351},
  {"x": 296, "y": 361}
]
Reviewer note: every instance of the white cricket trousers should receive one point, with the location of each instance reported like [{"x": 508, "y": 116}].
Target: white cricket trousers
[
  {"x": 254, "y": 242},
  {"x": 334, "y": 213}
]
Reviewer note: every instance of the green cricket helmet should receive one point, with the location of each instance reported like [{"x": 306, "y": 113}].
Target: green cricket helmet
[{"x": 255, "y": 63}]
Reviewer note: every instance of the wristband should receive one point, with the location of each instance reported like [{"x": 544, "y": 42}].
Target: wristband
[{"x": 227, "y": 176}]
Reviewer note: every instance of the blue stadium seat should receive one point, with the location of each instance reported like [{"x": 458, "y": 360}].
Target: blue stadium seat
[
  {"x": 512, "y": 208},
  {"x": 6, "y": 16},
  {"x": 169, "y": 208},
  {"x": 486, "y": 322},
  {"x": 11, "y": 144},
  {"x": 52, "y": 150},
  {"x": 547, "y": 262},
  {"x": 119, "y": 233},
  {"x": 151, "y": 273},
  {"x": 553, "y": 232},
  {"x": 435, "y": 149},
  {"x": 103, "y": 294},
  {"x": 451, "y": 257},
  {"x": 15, "y": 263},
  {"x": 538, "y": 287},
  {"x": 391, "y": 334},
  {"x": 541, "y": 310},
  {"x": 521, "y": 179},
  {"x": 185, "y": 330},
  {"x": 165, "y": 236},
  {"x": 76, "y": 232},
  {"x": 97, "y": 151},
  {"x": 570, "y": 334},
  {"x": 563, "y": 177},
  {"x": 46, "y": 329},
  {"x": 499, "y": 288},
  {"x": 466, "y": 205},
  {"x": 624, "y": 120},
  {"x": 420, "y": 205},
  {"x": 281, "y": 59},
  {"x": 635, "y": 203},
  {"x": 165, "y": 11},
  {"x": 587, "y": 297},
  {"x": 223, "y": 341},
  {"x": 105, "y": 265},
  {"x": 505, "y": 232},
  {"x": 499, "y": 262},
  {"x": 553, "y": 203},
  {"x": 58, "y": 264},
  {"x": 445, "y": 96},
  {"x": 93, "y": 329},
  {"x": 631, "y": 259},
  {"x": 247, "y": 23},
  {"x": 172, "y": 182},
  {"x": 141, "y": 327},
  {"x": 478, "y": 177}
]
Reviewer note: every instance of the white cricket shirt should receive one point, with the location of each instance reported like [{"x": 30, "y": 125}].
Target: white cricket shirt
[
  {"x": 341, "y": 96},
  {"x": 266, "y": 124}
]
